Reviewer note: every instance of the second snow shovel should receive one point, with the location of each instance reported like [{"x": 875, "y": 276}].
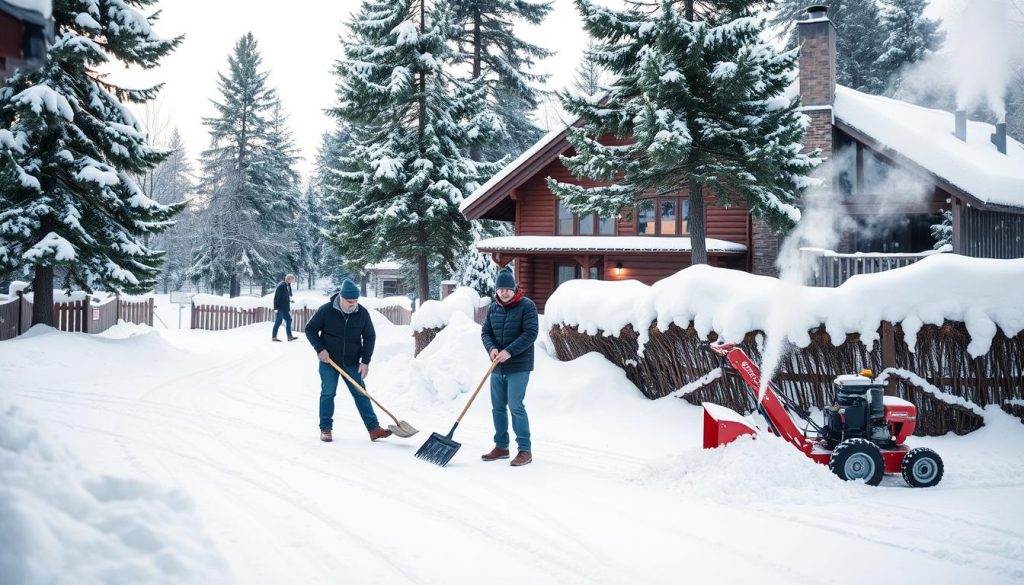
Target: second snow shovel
[
  {"x": 439, "y": 449},
  {"x": 400, "y": 428}
]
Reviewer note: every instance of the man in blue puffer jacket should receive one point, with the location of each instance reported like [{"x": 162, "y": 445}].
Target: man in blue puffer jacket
[
  {"x": 508, "y": 334},
  {"x": 342, "y": 331}
]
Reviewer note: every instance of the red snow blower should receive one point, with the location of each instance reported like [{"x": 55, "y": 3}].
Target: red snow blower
[{"x": 862, "y": 435}]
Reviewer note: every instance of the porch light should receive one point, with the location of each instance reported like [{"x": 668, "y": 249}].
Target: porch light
[{"x": 618, "y": 268}]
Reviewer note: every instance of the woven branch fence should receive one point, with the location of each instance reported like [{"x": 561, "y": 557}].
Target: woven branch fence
[{"x": 672, "y": 360}]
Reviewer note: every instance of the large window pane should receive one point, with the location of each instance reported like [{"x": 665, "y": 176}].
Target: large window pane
[
  {"x": 667, "y": 216},
  {"x": 587, "y": 225},
  {"x": 564, "y": 226},
  {"x": 645, "y": 218},
  {"x": 607, "y": 226},
  {"x": 684, "y": 214},
  {"x": 564, "y": 272}
]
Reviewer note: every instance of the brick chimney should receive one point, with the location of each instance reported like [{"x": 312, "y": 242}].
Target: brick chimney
[
  {"x": 817, "y": 93},
  {"x": 818, "y": 76}
]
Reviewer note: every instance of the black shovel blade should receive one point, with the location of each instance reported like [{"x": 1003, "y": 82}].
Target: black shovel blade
[{"x": 438, "y": 449}]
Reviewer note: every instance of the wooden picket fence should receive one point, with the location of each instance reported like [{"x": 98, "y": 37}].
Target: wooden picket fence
[
  {"x": 220, "y": 318},
  {"x": 396, "y": 314},
  {"x": 84, "y": 316}
]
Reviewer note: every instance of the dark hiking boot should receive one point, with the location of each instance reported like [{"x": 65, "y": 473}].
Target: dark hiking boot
[
  {"x": 379, "y": 433},
  {"x": 292, "y": 338},
  {"x": 494, "y": 454},
  {"x": 325, "y": 436},
  {"x": 275, "y": 339},
  {"x": 522, "y": 458}
]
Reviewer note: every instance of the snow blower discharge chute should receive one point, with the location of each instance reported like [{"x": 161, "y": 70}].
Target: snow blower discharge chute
[{"x": 862, "y": 436}]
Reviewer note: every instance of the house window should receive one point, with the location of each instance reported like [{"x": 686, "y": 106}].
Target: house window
[
  {"x": 587, "y": 225},
  {"x": 571, "y": 271},
  {"x": 389, "y": 288},
  {"x": 568, "y": 223},
  {"x": 645, "y": 218},
  {"x": 565, "y": 221},
  {"x": 663, "y": 216}
]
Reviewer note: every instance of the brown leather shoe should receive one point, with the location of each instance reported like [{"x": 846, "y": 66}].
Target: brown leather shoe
[
  {"x": 325, "y": 436},
  {"x": 522, "y": 458},
  {"x": 379, "y": 433},
  {"x": 495, "y": 453}
]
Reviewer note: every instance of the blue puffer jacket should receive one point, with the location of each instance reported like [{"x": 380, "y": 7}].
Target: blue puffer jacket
[{"x": 513, "y": 329}]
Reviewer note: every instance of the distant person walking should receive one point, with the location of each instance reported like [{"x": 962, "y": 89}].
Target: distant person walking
[
  {"x": 508, "y": 334},
  {"x": 283, "y": 308},
  {"x": 342, "y": 331}
]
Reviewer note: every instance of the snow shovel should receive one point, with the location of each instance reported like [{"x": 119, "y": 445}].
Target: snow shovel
[
  {"x": 400, "y": 428},
  {"x": 439, "y": 449}
]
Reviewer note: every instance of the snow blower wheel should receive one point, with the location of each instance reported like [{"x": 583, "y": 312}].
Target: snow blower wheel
[
  {"x": 858, "y": 459},
  {"x": 922, "y": 467}
]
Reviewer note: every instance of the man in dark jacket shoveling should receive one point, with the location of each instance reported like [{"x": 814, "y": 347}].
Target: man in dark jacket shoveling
[
  {"x": 508, "y": 334},
  {"x": 283, "y": 308},
  {"x": 342, "y": 331}
]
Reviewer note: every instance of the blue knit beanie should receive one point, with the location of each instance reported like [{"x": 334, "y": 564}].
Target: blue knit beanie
[
  {"x": 349, "y": 290},
  {"x": 505, "y": 279}
]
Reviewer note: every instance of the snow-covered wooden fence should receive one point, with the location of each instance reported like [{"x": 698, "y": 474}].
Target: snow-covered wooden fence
[
  {"x": 221, "y": 317},
  {"x": 86, "y": 315},
  {"x": 948, "y": 386},
  {"x": 396, "y": 314},
  {"x": 833, "y": 269}
]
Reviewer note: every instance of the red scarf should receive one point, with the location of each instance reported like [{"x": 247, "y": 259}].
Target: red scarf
[{"x": 511, "y": 303}]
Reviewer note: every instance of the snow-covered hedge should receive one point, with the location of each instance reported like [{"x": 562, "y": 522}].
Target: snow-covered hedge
[
  {"x": 983, "y": 294},
  {"x": 436, "y": 314}
]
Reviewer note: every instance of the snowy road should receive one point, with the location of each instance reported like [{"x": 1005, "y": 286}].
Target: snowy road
[{"x": 619, "y": 491}]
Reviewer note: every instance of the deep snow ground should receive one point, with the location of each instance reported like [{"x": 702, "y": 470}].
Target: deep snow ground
[{"x": 619, "y": 492}]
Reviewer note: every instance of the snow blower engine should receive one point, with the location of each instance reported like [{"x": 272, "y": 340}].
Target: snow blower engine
[{"x": 862, "y": 436}]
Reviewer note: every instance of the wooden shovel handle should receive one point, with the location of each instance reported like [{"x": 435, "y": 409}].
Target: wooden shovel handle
[
  {"x": 361, "y": 389},
  {"x": 477, "y": 391}
]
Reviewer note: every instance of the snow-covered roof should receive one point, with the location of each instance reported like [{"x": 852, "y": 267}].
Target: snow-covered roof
[
  {"x": 31, "y": 10},
  {"x": 602, "y": 244},
  {"x": 384, "y": 266},
  {"x": 925, "y": 136},
  {"x": 552, "y": 136}
]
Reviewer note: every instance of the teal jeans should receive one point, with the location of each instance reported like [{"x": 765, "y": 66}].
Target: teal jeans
[{"x": 507, "y": 394}]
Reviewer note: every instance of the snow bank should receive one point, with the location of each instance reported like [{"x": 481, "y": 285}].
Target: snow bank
[
  {"x": 61, "y": 525},
  {"x": 377, "y": 303},
  {"x": 437, "y": 314},
  {"x": 267, "y": 301},
  {"x": 982, "y": 293}
]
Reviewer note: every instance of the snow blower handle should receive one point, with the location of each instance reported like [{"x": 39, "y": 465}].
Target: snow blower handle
[{"x": 494, "y": 364}]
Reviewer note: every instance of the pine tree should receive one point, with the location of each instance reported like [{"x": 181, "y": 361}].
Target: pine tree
[
  {"x": 702, "y": 103},
  {"x": 943, "y": 231},
  {"x": 910, "y": 39},
  {"x": 281, "y": 158},
  {"x": 69, "y": 154},
  {"x": 590, "y": 77},
  {"x": 399, "y": 185},
  {"x": 476, "y": 269},
  {"x": 170, "y": 182},
  {"x": 488, "y": 44},
  {"x": 246, "y": 215}
]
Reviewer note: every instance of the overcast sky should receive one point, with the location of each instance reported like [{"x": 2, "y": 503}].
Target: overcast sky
[{"x": 299, "y": 45}]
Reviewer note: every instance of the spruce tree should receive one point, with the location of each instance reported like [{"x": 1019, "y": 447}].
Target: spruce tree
[
  {"x": 247, "y": 209},
  {"x": 172, "y": 181},
  {"x": 404, "y": 174},
  {"x": 70, "y": 152},
  {"x": 702, "y": 103},
  {"x": 590, "y": 77},
  {"x": 910, "y": 38},
  {"x": 488, "y": 45}
]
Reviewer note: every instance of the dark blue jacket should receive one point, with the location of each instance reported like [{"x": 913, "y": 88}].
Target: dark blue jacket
[
  {"x": 283, "y": 297},
  {"x": 513, "y": 329},
  {"x": 348, "y": 339}
]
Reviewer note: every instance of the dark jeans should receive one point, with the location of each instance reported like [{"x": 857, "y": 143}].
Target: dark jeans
[
  {"x": 508, "y": 391},
  {"x": 329, "y": 387},
  {"x": 285, "y": 316}
]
